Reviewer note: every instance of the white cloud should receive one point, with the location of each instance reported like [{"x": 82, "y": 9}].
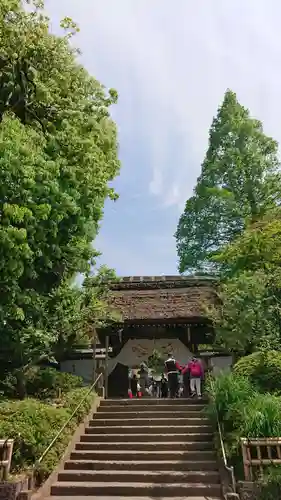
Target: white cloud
[{"x": 178, "y": 58}]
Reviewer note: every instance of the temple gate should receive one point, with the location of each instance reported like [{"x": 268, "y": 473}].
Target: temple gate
[{"x": 166, "y": 313}]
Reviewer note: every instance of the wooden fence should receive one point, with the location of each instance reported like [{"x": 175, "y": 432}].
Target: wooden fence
[
  {"x": 6, "y": 451},
  {"x": 259, "y": 453}
]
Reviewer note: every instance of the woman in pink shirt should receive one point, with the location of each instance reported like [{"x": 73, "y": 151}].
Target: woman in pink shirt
[{"x": 196, "y": 373}]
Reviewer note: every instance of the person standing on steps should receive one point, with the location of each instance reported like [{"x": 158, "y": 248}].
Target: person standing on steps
[
  {"x": 172, "y": 369},
  {"x": 134, "y": 386},
  {"x": 164, "y": 386},
  {"x": 143, "y": 375},
  {"x": 196, "y": 374},
  {"x": 186, "y": 381}
]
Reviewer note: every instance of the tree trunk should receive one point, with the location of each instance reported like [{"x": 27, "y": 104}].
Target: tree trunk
[{"x": 20, "y": 386}]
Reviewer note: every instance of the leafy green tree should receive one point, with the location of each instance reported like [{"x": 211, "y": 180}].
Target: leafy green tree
[
  {"x": 248, "y": 314},
  {"x": 239, "y": 181},
  {"x": 257, "y": 248},
  {"x": 156, "y": 362},
  {"x": 68, "y": 320},
  {"x": 58, "y": 154},
  {"x": 75, "y": 313}
]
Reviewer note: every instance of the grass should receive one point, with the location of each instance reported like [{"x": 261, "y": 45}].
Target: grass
[{"x": 242, "y": 412}]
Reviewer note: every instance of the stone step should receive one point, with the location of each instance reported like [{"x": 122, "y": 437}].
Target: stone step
[
  {"x": 153, "y": 401},
  {"x": 132, "y": 455},
  {"x": 118, "y": 422},
  {"x": 149, "y": 429},
  {"x": 149, "y": 414},
  {"x": 91, "y": 497},
  {"x": 135, "y": 489},
  {"x": 148, "y": 446},
  {"x": 143, "y": 465},
  {"x": 131, "y": 476},
  {"x": 142, "y": 438},
  {"x": 152, "y": 408}
]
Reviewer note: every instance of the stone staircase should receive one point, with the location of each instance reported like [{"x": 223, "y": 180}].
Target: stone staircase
[{"x": 154, "y": 448}]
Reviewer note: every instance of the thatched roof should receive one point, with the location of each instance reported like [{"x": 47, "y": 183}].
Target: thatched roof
[{"x": 162, "y": 297}]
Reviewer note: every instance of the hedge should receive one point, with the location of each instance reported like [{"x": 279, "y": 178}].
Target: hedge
[
  {"x": 263, "y": 369},
  {"x": 42, "y": 383},
  {"x": 33, "y": 424}
]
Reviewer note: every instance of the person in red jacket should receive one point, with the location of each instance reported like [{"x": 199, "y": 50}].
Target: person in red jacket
[{"x": 196, "y": 374}]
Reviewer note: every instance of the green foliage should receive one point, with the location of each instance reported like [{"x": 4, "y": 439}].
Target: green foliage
[
  {"x": 156, "y": 362},
  {"x": 226, "y": 393},
  {"x": 247, "y": 316},
  {"x": 239, "y": 181},
  {"x": 242, "y": 412},
  {"x": 33, "y": 425},
  {"x": 42, "y": 383},
  {"x": 260, "y": 416},
  {"x": 58, "y": 153},
  {"x": 263, "y": 369},
  {"x": 248, "y": 365},
  {"x": 96, "y": 292},
  {"x": 66, "y": 318},
  {"x": 71, "y": 400},
  {"x": 257, "y": 248},
  {"x": 45, "y": 383},
  {"x": 270, "y": 484}
]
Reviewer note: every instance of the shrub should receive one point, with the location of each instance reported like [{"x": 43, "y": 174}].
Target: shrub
[
  {"x": 33, "y": 424},
  {"x": 70, "y": 400},
  {"x": 8, "y": 386},
  {"x": 260, "y": 416},
  {"x": 226, "y": 392},
  {"x": 246, "y": 366},
  {"x": 263, "y": 369},
  {"x": 243, "y": 412},
  {"x": 270, "y": 486},
  {"x": 43, "y": 383}
]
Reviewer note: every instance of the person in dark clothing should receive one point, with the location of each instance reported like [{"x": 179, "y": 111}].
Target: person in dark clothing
[
  {"x": 134, "y": 386},
  {"x": 164, "y": 387},
  {"x": 172, "y": 368},
  {"x": 154, "y": 388}
]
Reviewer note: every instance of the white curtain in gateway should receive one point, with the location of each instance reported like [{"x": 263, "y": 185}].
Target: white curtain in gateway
[{"x": 135, "y": 351}]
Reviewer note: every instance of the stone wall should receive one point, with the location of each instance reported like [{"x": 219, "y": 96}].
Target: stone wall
[
  {"x": 11, "y": 490},
  {"x": 80, "y": 367},
  {"x": 221, "y": 364},
  {"x": 247, "y": 490},
  {"x": 84, "y": 367}
]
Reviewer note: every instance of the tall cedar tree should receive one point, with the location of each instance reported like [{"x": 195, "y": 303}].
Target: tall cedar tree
[{"x": 239, "y": 181}]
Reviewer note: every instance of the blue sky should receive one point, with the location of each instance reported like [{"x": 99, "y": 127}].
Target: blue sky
[{"x": 171, "y": 63}]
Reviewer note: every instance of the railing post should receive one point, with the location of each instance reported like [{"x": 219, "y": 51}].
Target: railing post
[
  {"x": 6, "y": 446},
  {"x": 94, "y": 342},
  {"x": 228, "y": 468},
  {"x": 106, "y": 367}
]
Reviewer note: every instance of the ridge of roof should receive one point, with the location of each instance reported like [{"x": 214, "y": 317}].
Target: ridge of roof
[{"x": 165, "y": 281}]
